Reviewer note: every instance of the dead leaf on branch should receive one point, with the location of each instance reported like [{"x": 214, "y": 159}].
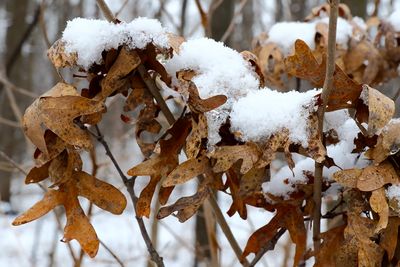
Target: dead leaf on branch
[
  {"x": 368, "y": 179},
  {"x": 332, "y": 241},
  {"x": 389, "y": 236},
  {"x": 380, "y": 109},
  {"x": 186, "y": 207},
  {"x": 59, "y": 57},
  {"x": 379, "y": 205},
  {"x": 289, "y": 217},
  {"x": 198, "y": 135},
  {"x": 388, "y": 143},
  {"x": 198, "y": 105},
  {"x": 187, "y": 170},
  {"x": 32, "y": 120},
  {"x": 226, "y": 156},
  {"x": 78, "y": 226},
  {"x": 304, "y": 65},
  {"x": 161, "y": 165}
]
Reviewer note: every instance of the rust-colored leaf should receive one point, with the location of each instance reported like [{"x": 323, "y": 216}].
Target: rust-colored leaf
[
  {"x": 116, "y": 78},
  {"x": 304, "y": 65},
  {"x": 161, "y": 165},
  {"x": 198, "y": 105},
  {"x": 332, "y": 241},
  {"x": 37, "y": 174},
  {"x": 102, "y": 194}
]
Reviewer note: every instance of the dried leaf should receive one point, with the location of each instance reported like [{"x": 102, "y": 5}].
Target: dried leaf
[
  {"x": 380, "y": 109},
  {"x": 226, "y": 156},
  {"x": 368, "y": 179},
  {"x": 388, "y": 143},
  {"x": 58, "y": 114},
  {"x": 160, "y": 165},
  {"x": 187, "y": 170},
  {"x": 199, "y": 133},
  {"x": 33, "y": 121},
  {"x": 59, "y": 57},
  {"x": 304, "y": 65},
  {"x": 37, "y": 174},
  {"x": 116, "y": 78},
  {"x": 289, "y": 217},
  {"x": 198, "y": 105},
  {"x": 389, "y": 237},
  {"x": 332, "y": 241},
  {"x": 379, "y": 205},
  {"x": 186, "y": 207}
]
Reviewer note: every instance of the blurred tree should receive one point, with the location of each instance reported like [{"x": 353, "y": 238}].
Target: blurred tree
[{"x": 357, "y": 7}]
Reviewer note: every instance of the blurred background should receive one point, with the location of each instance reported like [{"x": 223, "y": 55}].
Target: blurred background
[{"x": 27, "y": 29}]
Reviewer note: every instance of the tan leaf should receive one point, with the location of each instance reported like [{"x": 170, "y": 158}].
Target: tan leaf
[
  {"x": 226, "y": 156},
  {"x": 380, "y": 108},
  {"x": 379, "y": 205},
  {"x": 51, "y": 199},
  {"x": 59, "y": 57},
  {"x": 175, "y": 41},
  {"x": 332, "y": 241},
  {"x": 102, "y": 194},
  {"x": 32, "y": 120},
  {"x": 187, "y": 170},
  {"x": 78, "y": 227},
  {"x": 389, "y": 236},
  {"x": 254, "y": 62},
  {"x": 271, "y": 64},
  {"x": 186, "y": 207},
  {"x": 197, "y": 136},
  {"x": 58, "y": 113},
  {"x": 388, "y": 143},
  {"x": 368, "y": 179}
]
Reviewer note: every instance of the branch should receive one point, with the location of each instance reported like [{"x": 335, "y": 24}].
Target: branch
[
  {"x": 326, "y": 91},
  {"x": 129, "y": 184},
  {"x": 10, "y": 123},
  {"x": 231, "y": 26},
  {"x": 106, "y": 11},
  {"x": 269, "y": 246},
  {"x": 112, "y": 254}
]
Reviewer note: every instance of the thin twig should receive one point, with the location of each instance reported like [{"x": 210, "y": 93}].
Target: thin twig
[
  {"x": 231, "y": 26},
  {"x": 129, "y": 183},
  {"x": 112, "y": 253},
  {"x": 226, "y": 229},
  {"x": 6, "y": 82},
  {"x": 326, "y": 91},
  {"x": 269, "y": 246},
  {"x": 121, "y": 8},
  {"x": 43, "y": 24},
  {"x": 106, "y": 11},
  {"x": 10, "y": 123}
]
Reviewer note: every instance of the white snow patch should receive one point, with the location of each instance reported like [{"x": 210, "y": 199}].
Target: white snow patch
[
  {"x": 219, "y": 70},
  {"x": 89, "y": 37},
  {"x": 393, "y": 192},
  {"x": 283, "y": 181},
  {"x": 265, "y": 112},
  {"x": 394, "y": 20},
  {"x": 284, "y": 34}
]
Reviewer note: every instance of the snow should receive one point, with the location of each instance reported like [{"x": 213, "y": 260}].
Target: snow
[
  {"x": 394, "y": 20},
  {"x": 284, "y": 34},
  {"x": 283, "y": 181},
  {"x": 265, "y": 112},
  {"x": 219, "y": 70},
  {"x": 89, "y": 37},
  {"x": 393, "y": 192}
]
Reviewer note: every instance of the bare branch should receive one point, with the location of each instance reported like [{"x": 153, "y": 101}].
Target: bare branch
[
  {"x": 106, "y": 11},
  {"x": 231, "y": 26},
  {"x": 10, "y": 123},
  {"x": 112, "y": 254},
  {"x": 326, "y": 91}
]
